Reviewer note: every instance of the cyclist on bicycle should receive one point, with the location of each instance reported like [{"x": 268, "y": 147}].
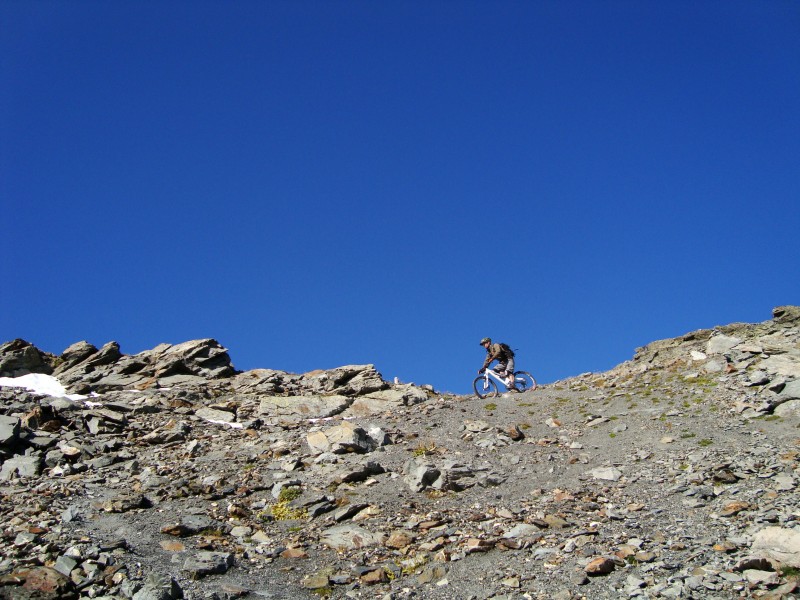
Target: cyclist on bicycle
[{"x": 503, "y": 355}]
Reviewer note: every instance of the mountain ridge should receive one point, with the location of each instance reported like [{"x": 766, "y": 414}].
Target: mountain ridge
[{"x": 170, "y": 474}]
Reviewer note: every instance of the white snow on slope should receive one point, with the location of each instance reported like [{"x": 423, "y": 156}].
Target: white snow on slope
[{"x": 40, "y": 384}]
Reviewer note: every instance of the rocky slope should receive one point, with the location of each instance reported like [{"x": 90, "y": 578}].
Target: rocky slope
[{"x": 172, "y": 475}]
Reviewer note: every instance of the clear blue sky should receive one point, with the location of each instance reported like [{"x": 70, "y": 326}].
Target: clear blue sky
[{"x": 342, "y": 182}]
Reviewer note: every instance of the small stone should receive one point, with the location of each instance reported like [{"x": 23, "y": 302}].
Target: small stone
[
  {"x": 399, "y": 539},
  {"x": 65, "y": 565},
  {"x": 374, "y": 577},
  {"x": 599, "y": 566},
  {"x": 294, "y": 553},
  {"x": 734, "y": 508},
  {"x": 207, "y": 563},
  {"x": 172, "y": 546},
  {"x": 645, "y": 557},
  {"x": 478, "y": 545},
  {"x": 607, "y": 473},
  {"x": 555, "y": 522},
  {"x": 515, "y": 433},
  {"x": 726, "y": 546},
  {"x": 159, "y": 587},
  {"x": 316, "y": 581}
]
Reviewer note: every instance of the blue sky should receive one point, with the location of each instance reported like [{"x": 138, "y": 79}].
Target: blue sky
[{"x": 317, "y": 184}]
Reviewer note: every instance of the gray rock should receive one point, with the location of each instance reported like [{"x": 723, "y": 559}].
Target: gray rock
[
  {"x": 386, "y": 400},
  {"x": 420, "y": 474},
  {"x": 303, "y": 407},
  {"x": 349, "y": 380},
  {"x": 523, "y": 530},
  {"x": 159, "y": 587},
  {"x": 788, "y": 409},
  {"x": 108, "y": 369},
  {"x": 359, "y": 473},
  {"x": 194, "y": 524},
  {"x": 720, "y": 344},
  {"x": 76, "y": 353},
  {"x": 786, "y": 365},
  {"x": 607, "y": 473},
  {"x": 206, "y": 563},
  {"x": 216, "y": 415},
  {"x": 756, "y": 577},
  {"x": 786, "y": 314},
  {"x": 24, "y": 466},
  {"x": 341, "y": 439},
  {"x": 348, "y": 437},
  {"x": 791, "y": 391},
  {"x": 9, "y": 429},
  {"x": 65, "y": 564},
  {"x": 349, "y": 537},
  {"x": 19, "y": 357}
]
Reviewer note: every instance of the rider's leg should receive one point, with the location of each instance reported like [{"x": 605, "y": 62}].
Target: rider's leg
[{"x": 510, "y": 371}]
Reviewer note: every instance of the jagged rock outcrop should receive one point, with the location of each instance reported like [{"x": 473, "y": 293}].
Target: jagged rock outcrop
[
  {"x": 19, "y": 357},
  {"x": 86, "y": 369}
]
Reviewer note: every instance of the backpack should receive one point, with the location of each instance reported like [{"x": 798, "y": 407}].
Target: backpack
[{"x": 508, "y": 351}]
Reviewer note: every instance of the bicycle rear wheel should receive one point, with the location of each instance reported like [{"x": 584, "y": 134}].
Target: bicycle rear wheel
[
  {"x": 524, "y": 381},
  {"x": 484, "y": 388}
]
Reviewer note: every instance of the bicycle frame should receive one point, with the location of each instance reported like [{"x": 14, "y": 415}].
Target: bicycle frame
[{"x": 493, "y": 374}]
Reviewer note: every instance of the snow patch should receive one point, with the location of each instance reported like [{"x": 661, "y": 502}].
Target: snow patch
[
  {"x": 40, "y": 384},
  {"x": 228, "y": 423}
]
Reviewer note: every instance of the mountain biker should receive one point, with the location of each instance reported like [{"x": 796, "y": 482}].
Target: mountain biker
[{"x": 504, "y": 357}]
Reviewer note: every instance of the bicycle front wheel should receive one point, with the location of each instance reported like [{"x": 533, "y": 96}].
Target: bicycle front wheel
[
  {"x": 524, "y": 381},
  {"x": 484, "y": 388}
]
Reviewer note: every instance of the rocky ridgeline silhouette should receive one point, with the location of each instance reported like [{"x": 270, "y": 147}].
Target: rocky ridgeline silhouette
[{"x": 170, "y": 474}]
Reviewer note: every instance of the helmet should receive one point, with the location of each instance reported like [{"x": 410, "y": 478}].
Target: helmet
[{"x": 486, "y": 341}]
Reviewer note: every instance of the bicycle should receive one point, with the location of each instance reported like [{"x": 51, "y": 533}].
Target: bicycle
[{"x": 485, "y": 385}]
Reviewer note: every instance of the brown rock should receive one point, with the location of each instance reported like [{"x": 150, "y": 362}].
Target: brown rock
[
  {"x": 725, "y": 546},
  {"x": 172, "y": 546},
  {"x": 374, "y": 577},
  {"x": 399, "y": 539},
  {"x": 48, "y": 582},
  {"x": 555, "y": 522},
  {"x": 515, "y": 433},
  {"x": 294, "y": 553},
  {"x": 176, "y": 530},
  {"x": 599, "y": 566},
  {"x": 645, "y": 557},
  {"x": 478, "y": 545},
  {"x": 734, "y": 508}
]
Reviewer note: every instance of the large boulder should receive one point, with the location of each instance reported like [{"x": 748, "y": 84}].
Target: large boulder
[
  {"x": 343, "y": 438},
  {"x": 295, "y": 408},
  {"x": 387, "y": 400},
  {"x": 350, "y": 380},
  {"x": 76, "y": 353},
  {"x": 19, "y": 357},
  {"x": 778, "y": 543},
  {"x": 786, "y": 314},
  {"x": 205, "y": 358}
]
